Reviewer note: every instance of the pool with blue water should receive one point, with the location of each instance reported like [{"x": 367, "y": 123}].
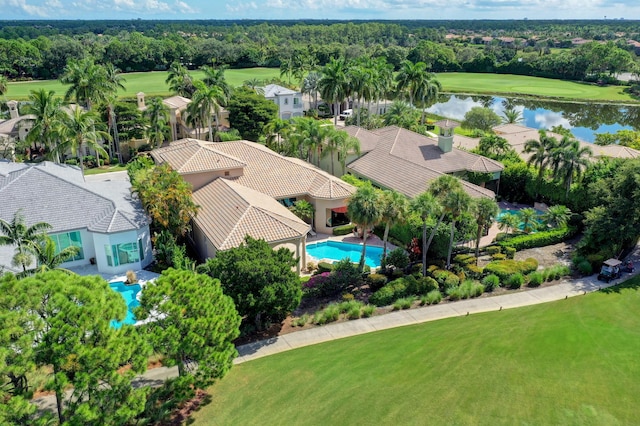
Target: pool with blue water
[
  {"x": 337, "y": 250},
  {"x": 515, "y": 211},
  {"x": 129, "y": 293}
]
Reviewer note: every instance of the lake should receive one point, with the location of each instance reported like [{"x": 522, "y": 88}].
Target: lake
[{"x": 584, "y": 120}]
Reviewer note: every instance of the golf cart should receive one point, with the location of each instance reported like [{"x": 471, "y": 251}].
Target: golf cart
[{"x": 610, "y": 270}]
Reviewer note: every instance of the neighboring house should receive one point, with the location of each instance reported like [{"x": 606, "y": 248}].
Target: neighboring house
[
  {"x": 99, "y": 215},
  {"x": 13, "y": 130},
  {"x": 244, "y": 188},
  {"x": 289, "y": 101},
  {"x": 407, "y": 162},
  {"x": 178, "y": 117}
]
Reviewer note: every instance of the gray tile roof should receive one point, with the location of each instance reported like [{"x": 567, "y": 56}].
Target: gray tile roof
[
  {"x": 407, "y": 162},
  {"x": 229, "y": 211},
  {"x": 368, "y": 139},
  {"x": 273, "y": 90},
  {"x": 57, "y": 194}
]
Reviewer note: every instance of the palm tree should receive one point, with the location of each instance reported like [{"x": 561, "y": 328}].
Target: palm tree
[
  {"x": 179, "y": 80},
  {"x": 346, "y": 145},
  {"x": 457, "y": 203},
  {"x": 401, "y": 114},
  {"x": 308, "y": 136},
  {"x": 214, "y": 77},
  {"x": 303, "y": 209},
  {"x": 47, "y": 259},
  {"x": 274, "y": 131},
  {"x": 527, "y": 217},
  {"x": 428, "y": 93},
  {"x": 541, "y": 151},
  {"x": 158, "y": 115},
  {"x": 286, "y": 68},
  {"x": 47, "y": 109},
  {"x": 511, "y": 115},
  {"x": 310, "y": 86},
  {"x": 77, "y": 132},
  {"x": 114, "y": 82},
  {"x": 486, "y": 212},
  {"x": 87, "y": 82},
  {"x": 557, "y": 216},
  {"x": 569, "y": 159},
  {"x": 410, "y": 79},
  {"x": 440, "y": 188},
  {"x": 425, "y": 205},
  {"x": 4, "y": 85},
  {"x": 206, "y": 102},
  {"x": 364, "y": 210},
  {"x": 255, "y": 84},
  {"x": 394, "y": 206},
  {"x": 24, "y": 237},
  {"x": 334, "y": 84},
  {"x": 509, "y": 222}
]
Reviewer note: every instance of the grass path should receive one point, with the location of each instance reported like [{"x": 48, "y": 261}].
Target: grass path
[
  {"x": 535, "y": 86},
  {"x": 152, "y": 84},
  {"x": 571, "y": 362}
]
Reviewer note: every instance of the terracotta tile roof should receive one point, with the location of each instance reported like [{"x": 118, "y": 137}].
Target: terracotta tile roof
[
  {"x": 282, "y": 177},
  {"x": 194, "y": 156},
  {"x": 230, "y": 211},
  {"x": 401, "y": 161}
]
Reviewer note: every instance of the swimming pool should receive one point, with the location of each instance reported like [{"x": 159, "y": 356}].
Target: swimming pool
[
  {"x": 336, "y": 250},
  {"x": 503, "y": 212},
  {"x": 128, "y": 293}
]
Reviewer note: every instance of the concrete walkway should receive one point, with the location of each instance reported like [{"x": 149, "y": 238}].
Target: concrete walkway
[{"x": 312, "y": 336}]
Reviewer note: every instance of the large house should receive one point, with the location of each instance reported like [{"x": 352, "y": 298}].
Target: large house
[
  {"x": 244, "y": 188},
  {"x": 99, "y": 215},
  {"x": 289, "y": 101},
  {"x": 405, "y": 161},
  {"x": 13, "y": 130}
]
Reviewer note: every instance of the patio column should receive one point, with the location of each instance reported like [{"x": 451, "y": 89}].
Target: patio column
[{"x": 304, "y": 252}]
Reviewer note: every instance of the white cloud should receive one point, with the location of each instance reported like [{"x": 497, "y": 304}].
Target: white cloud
[
  {"x": 184, "y": 7},
  {"x": 547, "y": 120},
  {"x": 29, "y": 9},
  {"x": 241, "y": 7}
]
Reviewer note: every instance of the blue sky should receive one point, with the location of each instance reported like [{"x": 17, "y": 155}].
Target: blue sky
[{"x": 319, "y": 9}]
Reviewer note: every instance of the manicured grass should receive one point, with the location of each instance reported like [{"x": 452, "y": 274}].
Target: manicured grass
[
  {"x": 535, "y": 86},
  {"x": 151, "y": 83},
  {"x": 108, "y": 169},
  {"x": 571, "y": 362}
]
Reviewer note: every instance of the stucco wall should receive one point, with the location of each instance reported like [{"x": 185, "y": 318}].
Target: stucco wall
[{"x": 321, "y": 213}]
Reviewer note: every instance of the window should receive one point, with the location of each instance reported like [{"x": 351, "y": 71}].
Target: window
[
  {"x": 286, "y": 101},
  {"x": 121, "y": 254},
  {"x": 296, "y": 101},
  {"x": 68, "y": 239}
]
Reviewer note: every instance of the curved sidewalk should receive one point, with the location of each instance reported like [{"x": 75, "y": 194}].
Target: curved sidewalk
[{"x": 312, "y": 336}]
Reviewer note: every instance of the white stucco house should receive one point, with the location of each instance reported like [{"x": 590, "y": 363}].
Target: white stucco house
[
  {"x": 289, "y": 101},
  {"x": 99, "y": 215}
]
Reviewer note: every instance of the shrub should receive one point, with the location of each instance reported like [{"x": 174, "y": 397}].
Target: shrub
[
  {"x": 311, "y": 267},
  {"x": 515, "y": 281},
  {"x": 478, "y": 289},
  {"x": 345, "y": 274},
  {"x": 398, "y": 258},
  {"x": 434, "y": 297},
  {"x": 465, "y": 259},
  {"x": 324, "y": 267},
  {"x": 490, "y": 282},
  {"x": 343, "y": 230},
  {"x": 491, "y": 250},
  {"x": 474, "y": 271},
  {"x": 318, "y": 285},
  {"x": 354, "y": 313},
  {"x": 454, "y": 293},
  {"x": 451, "y": 281},
  {"x": 510, "y": 252},
  {"x": 596, "y": 261},
  {"x": 403, "y": 303},
  {"x": 539, "y": 239},
  {"x": 584, "y": 267},
  {"x": 301, "y": 321},
  {"x": 397, "y": 273},
  {"x": 345, "y": 307},
  {"x": 499, "y": 256},
  {"x": 390, "y": 292},
  {"x": 376, "y": 281},
  {"x": 368, "y": 311},
  {"x": 416, "y": 268},
  {"x": 131, "y": 277},
  {"x": 331, "y": 313},
  {"x": 505, "y": 268},
  {"x": 71, "y": 161},
  {"x": 535, "y": 279},
  {"x": 466, "y": 289}
]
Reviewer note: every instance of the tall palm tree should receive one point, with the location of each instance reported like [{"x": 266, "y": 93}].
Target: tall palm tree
[
  {"x": 274, "y": 131},
  {"x": 310, "y": 86},
  {"x": 334, "y": 84},
  {"x": 527, "y": 218},
  {"x": 509, "y": 222},
  {"x": 394, "y": 206},
  {"x": 158, "y": 130},
  {"x": 4, "y": 85},
  {"x": 78, "y": 132},
  {"x": 255, "y": 84},
  {"x": 440, "y": 188},
  {"x": 541, "y": 151},
  {"x": 425, "y": 205},
  {"x": 569, "y": 159},
  {"x": 214, "y": 77},
  {"x": 410, "y": 79},
  {"x": 206, "y": 102},
  {"x": 179, "y": 80},
  {"x": 557, "y": 216},
  {"x": 47, "y": 259},
  {"x": 364, "y": 210},
  {"x": 303, "y": 209},
  {"x": 47, "y": 109},
  {"x": 486, "y": 211},
  {"x": 308, "y": 136},
  {"x": 339, "y": 141},
  {"x": 428, "y": 92},
  {"x": 457, "y": 203},
  {"x": 286, "y": 68},
  {"x": 114, "y": 82},
  {"x": 23, "y": 237},
  {"x": 87, "y": 82},
  {"x": 401, "y": 114}
]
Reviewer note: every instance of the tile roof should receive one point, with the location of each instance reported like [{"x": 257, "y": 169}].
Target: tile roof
[
  {"x": 368, "y": 139},
  {"x": 57, "y": 194},
  {"x": 273, "y": 90},
  {"x": 403, "y": 164},
  {"x": 176, "y": 102},
  {"x": 11, "y": 125},
  {"x": 230, "y": 211},
  {"x": 195, "y": 156},
  {"x": 447, "y": 124},
  {"x": 278, "y": 176}
]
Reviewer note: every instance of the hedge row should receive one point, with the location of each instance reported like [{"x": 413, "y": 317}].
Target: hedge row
[
  {"x": 343, "y": 229},
  {"x": 505, "y": 268},
  {"x": 401, "y": 287},
  {"x": 538, "y": 239}
]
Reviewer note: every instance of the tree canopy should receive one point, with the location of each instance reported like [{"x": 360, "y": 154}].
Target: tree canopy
[{"x": 250, "y": 112}]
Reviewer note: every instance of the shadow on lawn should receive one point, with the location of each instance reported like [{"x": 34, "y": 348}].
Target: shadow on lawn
[{"x": 631, "y": 284}]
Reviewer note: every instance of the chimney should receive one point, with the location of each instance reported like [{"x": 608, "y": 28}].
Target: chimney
[
  {"x": 141, "y": 104},
  {"x": 13, "y": 109},
  {"x": 445, "y": 134}
]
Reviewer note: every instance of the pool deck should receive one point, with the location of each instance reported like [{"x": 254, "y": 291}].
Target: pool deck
[{"x": 142, "y": 275}]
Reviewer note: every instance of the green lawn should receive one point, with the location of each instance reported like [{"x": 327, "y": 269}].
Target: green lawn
[
  {"x": 535, "y": 86},
  {"x": 572, "y": 362},
  {"x": 108, "y": 169},
  {"x": 151, "y": 83}
]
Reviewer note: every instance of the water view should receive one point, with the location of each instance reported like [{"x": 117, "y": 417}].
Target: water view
[{"x": 584, "y": 120}]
